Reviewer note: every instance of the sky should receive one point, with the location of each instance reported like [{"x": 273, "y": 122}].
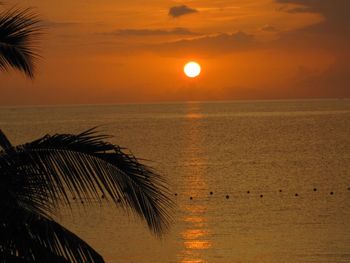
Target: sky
[{"x": 133, "y": 51}]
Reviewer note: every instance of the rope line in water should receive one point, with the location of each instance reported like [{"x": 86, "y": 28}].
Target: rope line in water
[
  {"x": 211, "y": 193},
  {"x": 240, "y": 193}
]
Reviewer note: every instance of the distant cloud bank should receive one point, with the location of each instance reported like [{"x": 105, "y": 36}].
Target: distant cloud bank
[
  {"x": 154, "y": 32},
  {"x": 220, "y": 43},
  {"x": 269, "y": 28},
  {"x": 177, "y": 11}
]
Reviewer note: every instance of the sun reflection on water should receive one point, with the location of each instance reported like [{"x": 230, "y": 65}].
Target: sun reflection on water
[
  {"x": 196, "y": 234},
  {"x": 196, "y": 244},
  {"x": 194, "y": 115},
  {"x": 196, "y": 239},
  {"x": 192, "y": 261}
]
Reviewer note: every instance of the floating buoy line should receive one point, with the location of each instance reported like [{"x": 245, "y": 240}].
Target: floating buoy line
[
  {"x": 249, "y": 193},
  {"x": 264, "y": 194}
]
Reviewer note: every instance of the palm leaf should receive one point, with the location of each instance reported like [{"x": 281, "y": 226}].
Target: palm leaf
[
  {"x": 9, "y": 258},
  {"x": 20, "y": 185},
  {"x": 28, "y": 237},
  {"x": 18, "y": 31},
  {"x": 84, "y": 165},
  {"x": 4, "y": 142}
]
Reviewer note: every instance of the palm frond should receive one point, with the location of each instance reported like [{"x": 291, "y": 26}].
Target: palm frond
[
  {"x": 19, "y": 185},
  {"x": 9, "y": 258},
  {"x": 18, "y": 31},
  {"x": 28, "y": 237},
  {"x": 4, "y": 142},
  {"x": 85, "y": 166}
]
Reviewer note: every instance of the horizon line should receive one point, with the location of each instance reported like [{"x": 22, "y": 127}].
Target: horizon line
[{"x": 168, "y": 102}]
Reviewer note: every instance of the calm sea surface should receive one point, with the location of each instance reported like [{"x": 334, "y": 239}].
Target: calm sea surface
[{"x": 229, "y": 149}]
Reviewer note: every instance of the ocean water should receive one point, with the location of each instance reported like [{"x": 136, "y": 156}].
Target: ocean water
[{"x": 227, "y": 148}]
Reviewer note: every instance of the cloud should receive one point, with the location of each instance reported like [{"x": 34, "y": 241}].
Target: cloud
[
  {"x": 333, "y": 82},
  {"x": 269, "y": 28},
  {"x": 55, "y": 24},
  {"x": 295, "y": 10},
  {"x": 221, "y": 43},
  {"x": 336, "y": 12},
  {"x": 331, "y": 34},
  {"x": 178, "y": 31},
  {"x": 177, "y": 11}
]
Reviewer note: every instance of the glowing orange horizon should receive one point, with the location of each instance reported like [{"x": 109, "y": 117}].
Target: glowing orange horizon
[{"x": 139, "y": 53}]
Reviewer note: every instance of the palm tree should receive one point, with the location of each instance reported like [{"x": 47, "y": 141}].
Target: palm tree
[
  {"x": 19, "y": 30},
  {"x": 38, "y": 176}
]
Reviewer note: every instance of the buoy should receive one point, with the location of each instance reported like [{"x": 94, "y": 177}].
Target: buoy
[
  {"x": 280, "y": 191},
  {"x": 227, "y": 196},
  {"x": 296, "y": 195},
  {"x": 315, "y": 189},
  {"x": 261, "y": 196},
  {"x": 191, "y": 198},
  {"x": 248, "y": 192},
  {"x": 211, "y": 193},
  {"x": 175, "y": 194},
  {"x": 331, "y": 193}
]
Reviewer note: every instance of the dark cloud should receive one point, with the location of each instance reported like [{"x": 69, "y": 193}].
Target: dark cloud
[
  {"x": 179, "y": 31},
  {"x": 177, "y": 11},
  {"x": 331, "y": 34},
  {"x": 333, "y": 82},
  {"x": 335, "y": 12},
  {"x": 222, "y": 43}
]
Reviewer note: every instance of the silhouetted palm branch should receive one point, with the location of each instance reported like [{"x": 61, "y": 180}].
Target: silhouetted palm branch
[
  {"x": 57, "y": 167},
  {"x": 30, "y": 237},
  {"x": 36, "y": 176},
  {"x": 18, "y": 31}
]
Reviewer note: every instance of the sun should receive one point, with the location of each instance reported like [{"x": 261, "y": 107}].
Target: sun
[{"x": 192, "y": 69}]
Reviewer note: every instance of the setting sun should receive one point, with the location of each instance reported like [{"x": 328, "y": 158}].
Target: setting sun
[{"x": 192, "y": 69}]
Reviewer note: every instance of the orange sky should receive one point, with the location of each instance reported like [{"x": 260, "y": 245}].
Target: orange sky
[{"x": 107, "y": 51}]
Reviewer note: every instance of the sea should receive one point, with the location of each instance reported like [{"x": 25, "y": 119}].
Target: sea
[{"x": 252, "y": 181}]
